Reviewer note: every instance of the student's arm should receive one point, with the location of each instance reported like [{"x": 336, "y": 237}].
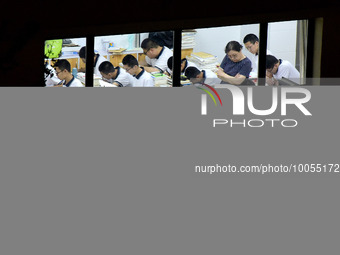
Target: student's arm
[
  {"x": 237, "y": 80},
  {"x": 271, "y": 81},
  {"x": 151, "y": 69}
]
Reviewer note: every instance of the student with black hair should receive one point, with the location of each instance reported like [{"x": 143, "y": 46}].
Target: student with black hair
[
  {"x": 98, "y": 59},
  {"x": 157, "y": 56},
  {"x": 63, "y": 71},
  {"x": 184, "y": 65},
  {"x": 203, "y": 77},
  {"x": 141, "y": 78},
  {"x": 235, "y": 66},
  {"x": 251, "y": 42},
  {"x": 117, "y": 76},
  {"x": 281, "y": 69}
]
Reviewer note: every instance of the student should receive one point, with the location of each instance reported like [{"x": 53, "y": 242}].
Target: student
[
  {"x": 251, "y": 42},
  {"x": 204, "y": 77},
  {"x": 117, "y": 76},
  {"x": 63, "y": 71},
  {"x": 98, "y": 59},
  {"x": 280, "y": 69},
  {"x": 235, "y": 66},
  {"x": 141, "y": 78},
  {"x": 51, "y": 78},
  {"x": 156, "y": 59},
  {"x": 184, "y": 65}
]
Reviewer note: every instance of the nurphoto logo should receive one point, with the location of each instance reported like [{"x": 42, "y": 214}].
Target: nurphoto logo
[{"x": 239, "y": 105}]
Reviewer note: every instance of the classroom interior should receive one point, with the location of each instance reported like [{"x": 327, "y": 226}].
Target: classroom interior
[
  {"x": 23, "y": 40},
  {"x": 287, "y": 40}
]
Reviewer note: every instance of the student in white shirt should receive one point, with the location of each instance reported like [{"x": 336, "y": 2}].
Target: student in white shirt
[
  {"x": 63, "y": 71},
  {"x": 117, "y": 76},
  {"x": 141, "y": 78},
  {"x": 156, "y": 59},
  {"x": 98, "y": 59},
  {"x": 251, "y": 42},
  {"x": 184, "y": 65},
  {"x": 281, "y": 69},
  {"x": 203, "y": 77}
]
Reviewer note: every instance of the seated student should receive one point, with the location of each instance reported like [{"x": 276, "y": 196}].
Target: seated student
[
  {"x": 184, "y": 65},
  {"x": 204, "y": 77},
  {"x": 156, "y": 59},
  {"x": 98, "y": 59},
  {"x": 117, "y": 76},
  {"x": 51, "y": 78},
  {"x": 235, "y": 66},
  {"x": 280, "y": 69},
  {"x": 251, "y": 42},
  {"x": 63, "y": 71},
  {"x": 141, "y": 78}
]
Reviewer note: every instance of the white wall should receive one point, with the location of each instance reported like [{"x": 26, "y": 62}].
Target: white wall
[
  {"x": 281, "y": 39},
  {"x": 214, "y": 40}
]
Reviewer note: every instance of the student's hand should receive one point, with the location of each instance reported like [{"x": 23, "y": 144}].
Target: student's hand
[
  {"x": 220, "y": 72},
  {"x": 270, "y": 81}
]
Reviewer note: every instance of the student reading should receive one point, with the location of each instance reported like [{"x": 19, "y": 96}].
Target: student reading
[
  {"x": 141, "y": 78},
  {"x": 98, "y": 59},
  {"x": 117, "y": 76},
  {"x": 280, "y": 69},
  {"x": 156, "y": 59},
  {"x": 63, "y": 71}
]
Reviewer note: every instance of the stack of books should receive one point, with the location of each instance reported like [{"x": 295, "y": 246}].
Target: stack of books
[
  {"x": 188, "y": 39},
  {"x": 96, "y": 79},
  {"x": 184, "y": 81},
  {"x": 204, "y": 60},
  {"x": 160, "y": 79}
]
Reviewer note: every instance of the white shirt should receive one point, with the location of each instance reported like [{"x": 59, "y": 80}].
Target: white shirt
[
  {"x": 73, "y": 83},
  {"x": 161, "y": 61},
  {"x": 143, "y": 79},
  {"x": 288, "y": 71},
  {"x": 210, "y": 78},
  {"x": 188, "y": 64},
  {"x": 123, "y": 78},
  {"x": 255, "y": 63},
  {"x": 100, "y": 59}
]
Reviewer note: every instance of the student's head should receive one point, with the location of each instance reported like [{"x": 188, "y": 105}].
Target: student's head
[
  {"x": 193, "y": 74},
  {"x": 150, "y": 48},
  {"x": 251, "y": 42},
  {"x": 82, "y": 54},
  {"x": 107, "y": 70},
  {"x": 62, "y": 68},
  {"x": 183, "y": 61},
  {"x": 234, "y": 51},
  {"x": 272, "y": 64},
  {"x": 130, "y": 64}
]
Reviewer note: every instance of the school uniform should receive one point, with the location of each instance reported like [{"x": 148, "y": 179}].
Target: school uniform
[
  {"x": 288, "y": 71},
  {"x": 161, "y": 61},
  {"x": 187, "y": 64},
  {"x": 73, "y": 83},
  {"x": 123, "y": 78},
  {"x": 100, "y": 59},
  {"x": 143, "y": 79},
  {"x": 210, "y": 78},
  {"x": 255, "y": 63}
]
